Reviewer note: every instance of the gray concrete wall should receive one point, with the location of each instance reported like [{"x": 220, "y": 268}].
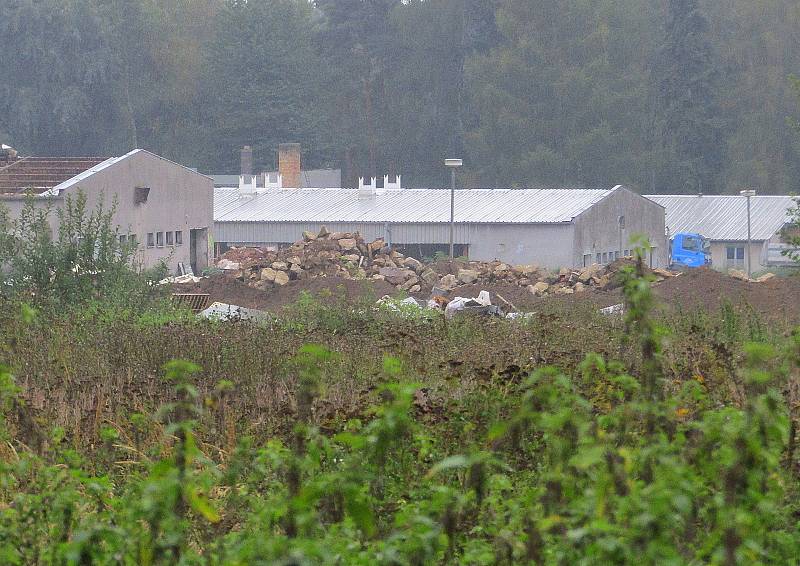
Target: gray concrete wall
[
  {"x": 545, "y": 245},
  {"x": 179, "y": 200},
  {"x": 597, "y": 229}
]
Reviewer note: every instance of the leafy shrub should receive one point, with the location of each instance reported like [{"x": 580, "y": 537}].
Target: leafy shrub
[{"x": 615, "y": 465}]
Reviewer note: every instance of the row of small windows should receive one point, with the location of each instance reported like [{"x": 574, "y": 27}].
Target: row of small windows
[
  {"x": 161, "y": 239},
  {"x": 604, "y": 257},
  {"x": 154, "y": 239}
]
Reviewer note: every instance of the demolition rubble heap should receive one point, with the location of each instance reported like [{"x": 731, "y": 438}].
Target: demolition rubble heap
[{"x": 348, "y": 256}]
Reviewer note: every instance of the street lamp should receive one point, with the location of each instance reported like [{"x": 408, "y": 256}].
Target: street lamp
[
  {"x": 453, "y": 164},
  {"x": 747, "y": 194}
]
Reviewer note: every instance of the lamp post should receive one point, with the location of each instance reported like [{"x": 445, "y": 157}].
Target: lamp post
[
  {"x": 747, "y": 194},
  {"x": 453, "y": 164}
]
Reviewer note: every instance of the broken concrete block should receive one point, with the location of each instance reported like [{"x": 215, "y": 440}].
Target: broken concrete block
[
  {"x": 539, "y": 288},
  {"x": 467, "y": 276},
  {"x": 396, "y": 275},
  {"x": 412, "y": 263},
  {"x": 448, "y": 282},
  {"x": 347, "y": 243},
  {"x": 429, "y": 276},
  {"x": 281, "y": 278}
]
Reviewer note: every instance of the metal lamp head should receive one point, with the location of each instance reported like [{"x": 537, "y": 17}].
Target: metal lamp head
[
  {"x": 453, "y": 162},
  {"x": 748, "y": 193}
]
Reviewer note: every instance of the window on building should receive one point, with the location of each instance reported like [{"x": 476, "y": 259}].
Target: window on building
[
  {"x": 151, "y": 241},
  {"x": 159, "y": 239},
  {"x": 616, "y": 255},
  {"x": 123, "y": 239},
  {"x": 735, "y": 256},
  {"x": 170, "y": 239},
  {"x": 178, "y": 238},
  {"x": 140, "y": 195},
  {"x": 605, "y": 257},
  {"x": 692, "y": 244},
  {"x": 599, "y": 258},
  {"x": 132, "y": 240},
  {"x": 587, "y": 260}
]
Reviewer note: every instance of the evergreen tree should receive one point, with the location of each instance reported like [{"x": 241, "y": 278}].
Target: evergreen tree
[
  {"x": 263, "y": 83},
  {"x": 686, "y": 78}
]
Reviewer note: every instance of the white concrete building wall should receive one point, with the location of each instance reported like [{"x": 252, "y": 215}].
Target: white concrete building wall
[
  {"x": 597, "y": 230},
  {"x": 179, "y": 199}
]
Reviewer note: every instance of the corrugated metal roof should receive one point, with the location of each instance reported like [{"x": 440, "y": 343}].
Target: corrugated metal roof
[
  {"x": 518, "y": 206},
  {"x": 724, "y": 217}
]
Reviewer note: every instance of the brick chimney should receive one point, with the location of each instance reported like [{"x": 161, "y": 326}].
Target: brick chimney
[
  {"x": 289, "y": 164},
  {"x": 246, "y": 156}
]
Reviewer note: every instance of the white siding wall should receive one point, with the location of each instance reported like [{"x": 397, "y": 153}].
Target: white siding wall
[
  {"x": 597, "y": 229},
  {"x": 179, "y": 199}
]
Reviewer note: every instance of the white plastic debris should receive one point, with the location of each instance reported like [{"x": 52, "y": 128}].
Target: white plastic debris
[
  {"x": 483, "y": 298},
  {"x": 179, "y": 279},
  {"x": 614, "y": 309},
  {"x": 480, "y": 305},
  {"x": 408, "y": 306},
  {"x": 520, "y": 315},
  {"x": 224, "y": 311}
]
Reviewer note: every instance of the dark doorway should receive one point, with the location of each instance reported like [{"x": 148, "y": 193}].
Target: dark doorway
[{"x": 198, "y": 249}]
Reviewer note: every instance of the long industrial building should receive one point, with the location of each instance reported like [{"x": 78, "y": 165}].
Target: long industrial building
[{"x": 548, "y": 227}]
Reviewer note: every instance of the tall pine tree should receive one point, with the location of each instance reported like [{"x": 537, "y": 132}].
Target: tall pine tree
[{"x": 686, "y": 79}]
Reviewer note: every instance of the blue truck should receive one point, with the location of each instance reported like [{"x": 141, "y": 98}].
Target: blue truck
[{"x": 689, "y": 250}]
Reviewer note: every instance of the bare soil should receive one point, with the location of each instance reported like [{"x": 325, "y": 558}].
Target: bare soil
[
  {"x": 776, "y": 300},
  {"x": 225, "y": 289}
]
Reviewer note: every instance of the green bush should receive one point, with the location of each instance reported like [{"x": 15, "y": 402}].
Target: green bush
[
  {"x": 83, "y": 262},
  {"x": 611, "y": 465}
]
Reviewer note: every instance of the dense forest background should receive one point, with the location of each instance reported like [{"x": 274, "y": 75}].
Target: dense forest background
[{"x": 662, "y": 95}]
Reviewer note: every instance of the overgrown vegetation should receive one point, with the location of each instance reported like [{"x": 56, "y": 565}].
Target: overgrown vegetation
[
  {"x": 350, "y": 435},
  {"x": 81, "y": 263}
]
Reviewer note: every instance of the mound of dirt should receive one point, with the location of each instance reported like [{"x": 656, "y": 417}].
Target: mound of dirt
[
  {"x": 228, "y": 290},
  {"x": 777, "y": 300}
]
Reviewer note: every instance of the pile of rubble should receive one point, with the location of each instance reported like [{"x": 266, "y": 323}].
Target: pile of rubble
[{"x": 327, "y": 254}]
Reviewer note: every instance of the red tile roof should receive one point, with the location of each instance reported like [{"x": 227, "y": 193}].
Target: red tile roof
[{"x": 39, "y": 174}]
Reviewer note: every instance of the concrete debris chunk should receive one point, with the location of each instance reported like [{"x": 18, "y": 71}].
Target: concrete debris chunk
[
  {"x": 226, "y": 265},
  {"x": 448, "y": 282},
  {"x": 765, "y": 277},
  {"x": 412, "y": 263},
  {"x": 281, "y": 278},
  {"x": 467, "y": 276},
  {"x": 396, "y": 275}
]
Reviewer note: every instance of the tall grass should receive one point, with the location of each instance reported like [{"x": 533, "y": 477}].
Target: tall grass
[{"x": 570, "y": 439}]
